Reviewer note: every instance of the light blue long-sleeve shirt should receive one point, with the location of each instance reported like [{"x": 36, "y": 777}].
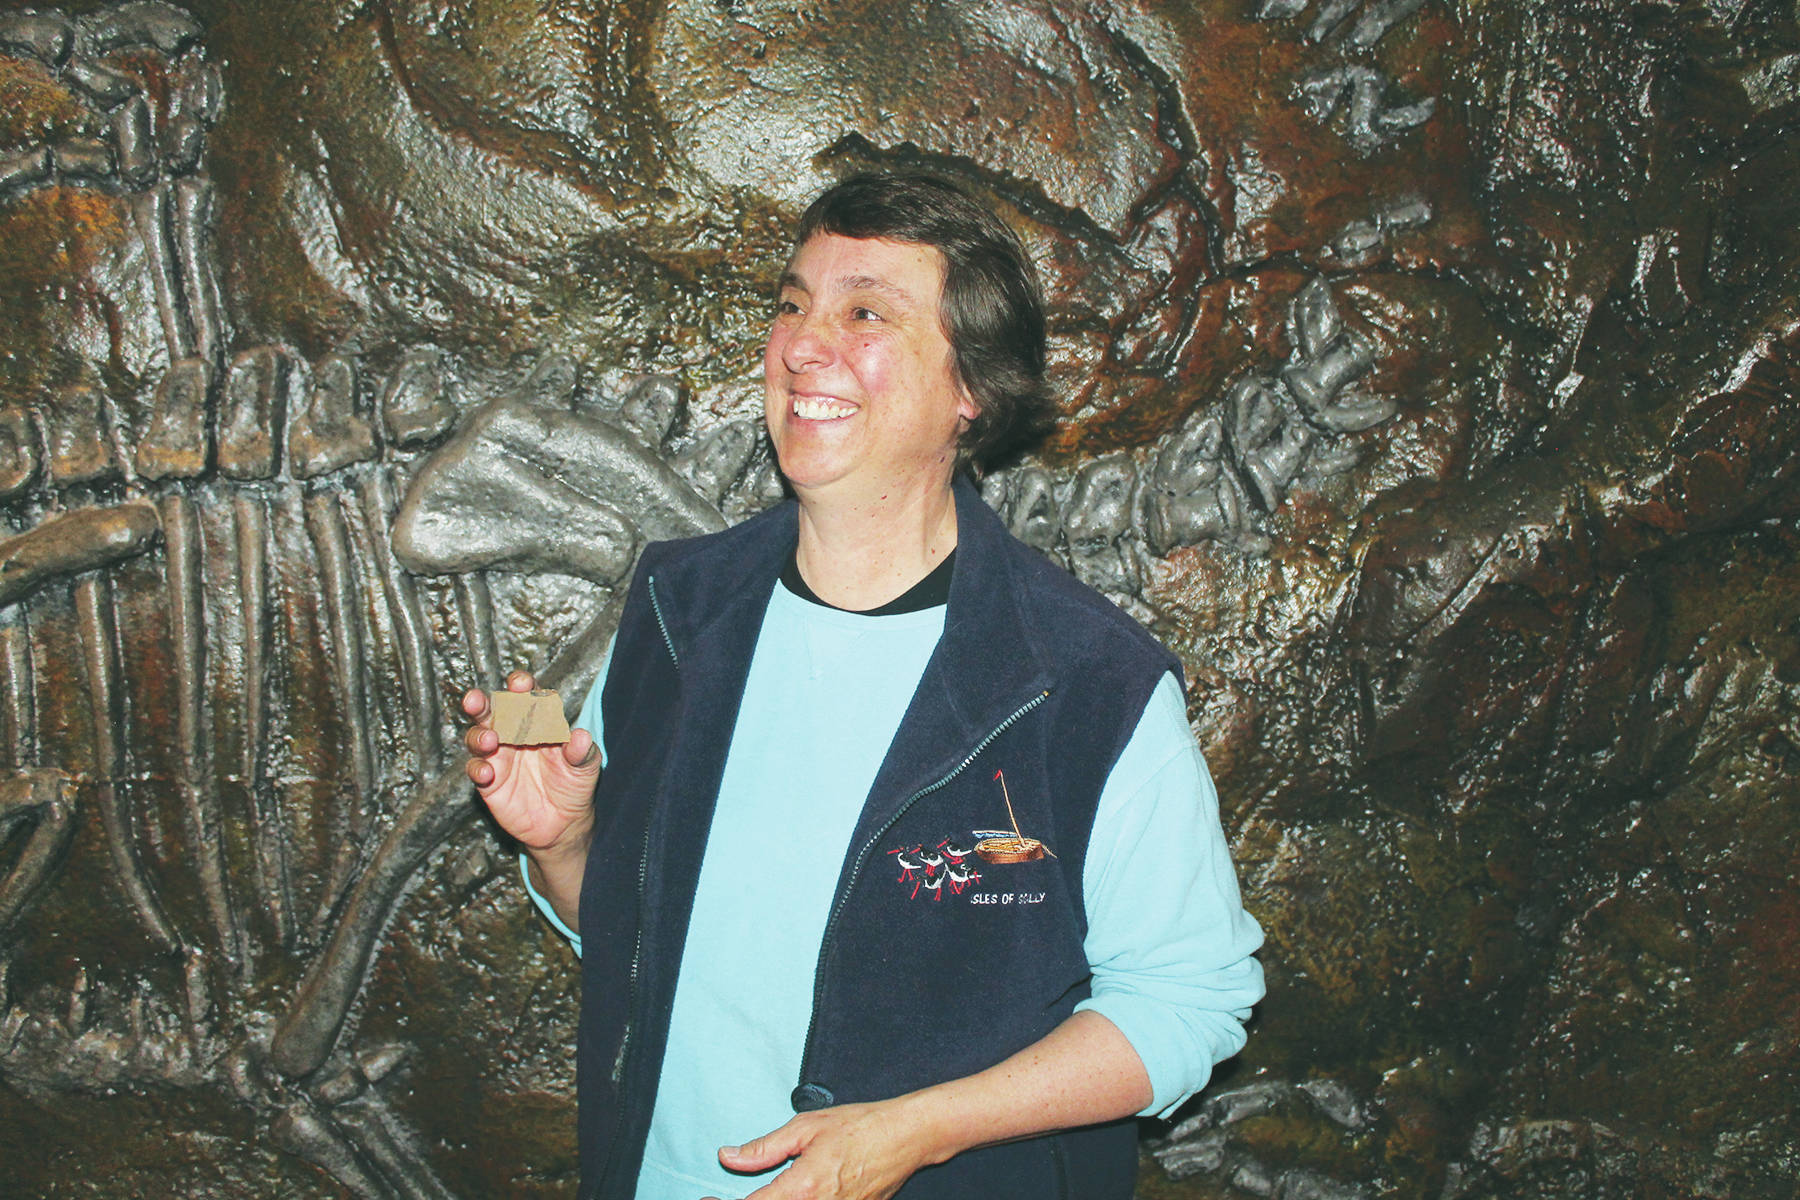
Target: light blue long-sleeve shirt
[{"x": 1168, "y": 939}]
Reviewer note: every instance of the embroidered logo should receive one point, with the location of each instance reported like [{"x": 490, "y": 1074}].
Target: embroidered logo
[{"x": 955, "y": 862}]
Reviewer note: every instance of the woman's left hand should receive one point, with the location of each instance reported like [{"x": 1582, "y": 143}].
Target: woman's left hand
[{"x": 849, "y": 1152}]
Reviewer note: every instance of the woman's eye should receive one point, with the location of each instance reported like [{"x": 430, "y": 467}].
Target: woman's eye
[
  {"x": 865, "y": 314},
  {"x": 785, "y": 308}
]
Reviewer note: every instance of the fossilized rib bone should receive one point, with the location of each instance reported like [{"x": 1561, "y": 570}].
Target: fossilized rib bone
[{"x": 99, "y": 638}]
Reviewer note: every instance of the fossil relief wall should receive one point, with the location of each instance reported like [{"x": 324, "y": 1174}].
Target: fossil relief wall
[{"x": 1428, "y": 370}]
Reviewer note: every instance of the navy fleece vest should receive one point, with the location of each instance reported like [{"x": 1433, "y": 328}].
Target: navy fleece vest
[{"x": 1035, "y": 675}]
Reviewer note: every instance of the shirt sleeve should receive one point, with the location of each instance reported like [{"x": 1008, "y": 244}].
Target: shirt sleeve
[
  {"x": 590, "y": 721},
  {"x": 1168, "y": 939}
]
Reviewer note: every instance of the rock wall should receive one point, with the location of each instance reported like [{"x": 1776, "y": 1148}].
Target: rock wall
[{"x": 1428, "y": 371}]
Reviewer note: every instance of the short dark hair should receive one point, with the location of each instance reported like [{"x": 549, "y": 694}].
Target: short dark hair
[{"x": 992, "y": 308}]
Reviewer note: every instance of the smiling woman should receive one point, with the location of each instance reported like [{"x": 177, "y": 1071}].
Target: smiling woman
[
  {"x": 988, "y": 300},
  {"x": 907, "y": 342},
  {"x": 862, "y": 398}
]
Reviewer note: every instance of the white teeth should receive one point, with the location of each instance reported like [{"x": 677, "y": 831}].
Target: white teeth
[{"x": 821, "y": 410}]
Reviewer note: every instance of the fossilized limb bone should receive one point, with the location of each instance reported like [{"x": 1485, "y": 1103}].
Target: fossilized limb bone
[
  {"x": 530, "y": 485},
  {"x": 304, "y": 1038},
  {"x": 74, "y": 542},
  {"x": 33, "y": 795},
  {"x": 356, "y": 1138},
  {"x": 17, "y": 687},
  {"x": 475, "y": 606},
  {"x": 199, "y": 276},
  {"x": 310, "y": 1027},
  {"x": 385, "y": 1142},
  {"x": 150, "y": 210}
]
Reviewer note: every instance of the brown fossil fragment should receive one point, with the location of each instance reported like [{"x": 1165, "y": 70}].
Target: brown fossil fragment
[
  {"x": 533, "y": 718},
  {"x": 414, "y": 407}
]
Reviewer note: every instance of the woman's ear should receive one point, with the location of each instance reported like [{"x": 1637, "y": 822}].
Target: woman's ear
[{"x": 967, "y": 407}]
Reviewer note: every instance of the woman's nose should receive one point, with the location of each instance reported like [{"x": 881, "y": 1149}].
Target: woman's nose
[{"x": 807, "y": 345}]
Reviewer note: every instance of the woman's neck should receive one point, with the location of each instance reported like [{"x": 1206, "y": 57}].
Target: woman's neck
[{"x": 861, "y": 557}]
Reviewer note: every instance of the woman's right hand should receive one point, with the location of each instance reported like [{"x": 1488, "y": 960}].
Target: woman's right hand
[{"x": 541, "y": 795}]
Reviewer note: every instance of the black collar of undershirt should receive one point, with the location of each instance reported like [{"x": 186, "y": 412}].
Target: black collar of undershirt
[{"x": 929, "y": 592}]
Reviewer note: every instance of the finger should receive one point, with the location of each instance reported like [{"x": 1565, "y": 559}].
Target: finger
[
  {"x": 481, "y": 740},
  {"x": 480, "y": 771},
  {"x": 770, "y": 1150},
  {"x": 475, "y": 704},
  {"x": 580, "y": 751},
  {"x": 520, "y": 681}
]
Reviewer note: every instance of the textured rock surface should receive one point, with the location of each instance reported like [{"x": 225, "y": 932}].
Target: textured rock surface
[{"x": 1430, "y": 385}]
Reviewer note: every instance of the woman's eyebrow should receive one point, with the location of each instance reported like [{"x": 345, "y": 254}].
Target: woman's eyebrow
[
  {"x": 853, "y": 283},
  {"x": 873, "y": 283}
]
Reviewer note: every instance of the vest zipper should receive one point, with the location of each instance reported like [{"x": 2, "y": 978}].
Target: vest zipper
[
  {"x": 656, "y": 608},
  {"x": 637, "y": 953},
  {"x": 637, "y": 945},
  {"x": 862, "y": 855}
]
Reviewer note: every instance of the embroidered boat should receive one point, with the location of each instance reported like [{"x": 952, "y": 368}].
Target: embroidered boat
[{"x": 996, "y": 847}]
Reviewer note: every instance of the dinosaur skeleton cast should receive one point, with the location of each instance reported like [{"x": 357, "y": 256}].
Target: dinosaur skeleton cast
[
  {"x": 236, "y": 605},
  {"x": 186, "y": 629}
]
